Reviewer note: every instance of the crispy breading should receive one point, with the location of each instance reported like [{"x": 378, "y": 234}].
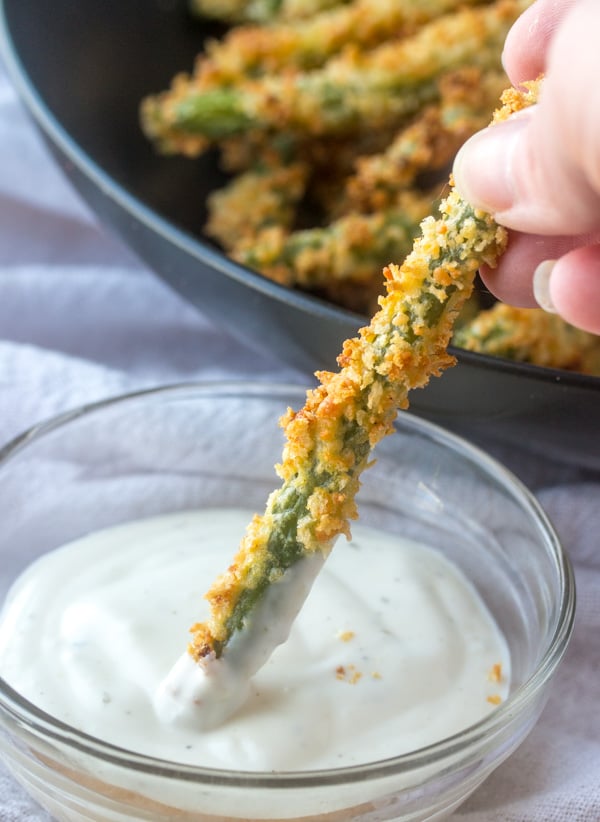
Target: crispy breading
[
  {"x": 257, "y": 200},
  {"x": 352, "y": 249},
  {"x": 516, "y": 99},
  {"x": 495, "y": 672}
]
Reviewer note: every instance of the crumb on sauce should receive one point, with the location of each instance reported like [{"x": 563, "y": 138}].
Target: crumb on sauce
[{"x": 348, "y": 673}]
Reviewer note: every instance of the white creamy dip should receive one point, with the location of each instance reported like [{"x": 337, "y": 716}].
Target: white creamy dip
[{"x": 393, "y": 649}]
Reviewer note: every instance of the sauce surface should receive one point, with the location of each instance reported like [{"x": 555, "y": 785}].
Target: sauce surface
[{"x": 393, "y": 649}]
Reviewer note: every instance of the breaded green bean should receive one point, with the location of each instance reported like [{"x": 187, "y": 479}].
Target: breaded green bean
[
  {"x": 468, "y": 97},
  {"x": 260, "y": 11},
  {"x": 531, "y": 335},
  {"x": 329, "y": 441},
  {"x": 378, "y": 87},
  {"x": 252, "y": 51},
  {"x": 335, "y": 155},
  {"x": 352, "y": 248},
  {"x": 262, "y": 198}
]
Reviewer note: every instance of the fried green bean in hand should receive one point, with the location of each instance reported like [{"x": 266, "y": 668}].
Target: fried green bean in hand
[{"x": 329, "y": 441}]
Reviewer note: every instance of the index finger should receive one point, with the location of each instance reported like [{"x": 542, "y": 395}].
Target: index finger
[
  {"x": 527, "y": 43},
  {"x": 511, "y": 280}
]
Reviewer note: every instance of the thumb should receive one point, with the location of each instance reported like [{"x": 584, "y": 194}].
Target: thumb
[{"x": 539, "y": 172}]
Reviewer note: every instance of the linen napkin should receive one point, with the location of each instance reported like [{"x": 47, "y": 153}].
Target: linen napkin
[{"x": 81, "y": 319}]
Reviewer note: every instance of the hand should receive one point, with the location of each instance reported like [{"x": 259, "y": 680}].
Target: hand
[{"x": 539, "y": 172}]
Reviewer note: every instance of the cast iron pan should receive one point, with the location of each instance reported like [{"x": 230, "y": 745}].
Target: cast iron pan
[{"x": 82, "y": 68}]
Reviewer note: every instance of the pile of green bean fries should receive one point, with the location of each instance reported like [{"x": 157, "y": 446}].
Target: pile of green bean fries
[
  {"x": 336, "y": 121},
  {"x": 330, "y": 116}
]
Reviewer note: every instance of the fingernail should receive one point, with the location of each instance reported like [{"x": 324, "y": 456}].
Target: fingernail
[
  {"x": 483, "y": 167},
  {"x": 541, "y": 285}
]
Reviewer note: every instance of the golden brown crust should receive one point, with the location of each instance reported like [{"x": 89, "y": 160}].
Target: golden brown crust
[{"x": 517, "y": 99}]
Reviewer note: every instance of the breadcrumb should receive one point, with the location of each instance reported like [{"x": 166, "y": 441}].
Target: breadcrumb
[{"x": 495, "y": 673}]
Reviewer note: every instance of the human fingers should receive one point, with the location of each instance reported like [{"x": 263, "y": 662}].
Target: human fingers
[
  {"x": 512, "y": 280},
  {"x": 561, "y": 274},
  {"x": 526, "y": 46},
  {"x": 539, "y": 172}
]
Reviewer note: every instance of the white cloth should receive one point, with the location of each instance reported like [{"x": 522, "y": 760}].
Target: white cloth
[{"x": 81, "y": 319}]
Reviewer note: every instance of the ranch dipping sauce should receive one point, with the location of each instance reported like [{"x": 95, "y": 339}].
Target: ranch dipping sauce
[{"x": 393, "y": 649}]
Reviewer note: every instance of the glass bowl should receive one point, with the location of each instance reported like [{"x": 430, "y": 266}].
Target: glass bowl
[{"x": 191, "y": 446}]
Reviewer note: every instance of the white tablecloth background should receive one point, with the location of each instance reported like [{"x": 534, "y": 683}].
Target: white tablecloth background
[{"x": 81, "y": 319}]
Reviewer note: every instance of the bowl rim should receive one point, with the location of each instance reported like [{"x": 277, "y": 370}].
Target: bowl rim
[
  {"x": 42, "y": 724},
  {"x": 201, "y": 250}
]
